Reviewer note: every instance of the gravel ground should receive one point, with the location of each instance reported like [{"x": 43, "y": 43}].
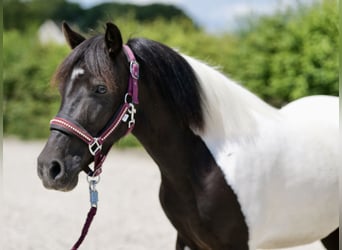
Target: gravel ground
[{"x": 129, "y": 216}]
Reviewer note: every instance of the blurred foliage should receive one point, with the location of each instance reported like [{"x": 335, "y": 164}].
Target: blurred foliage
[
  {"x": 37, "y": 11},
  {"x": 29, "y": 101},
  {"x": 290, "y": 54},
  {"x": 279, "y": 57}
]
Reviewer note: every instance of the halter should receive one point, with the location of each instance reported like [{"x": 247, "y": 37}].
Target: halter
[{"x": 125, "y": 114}]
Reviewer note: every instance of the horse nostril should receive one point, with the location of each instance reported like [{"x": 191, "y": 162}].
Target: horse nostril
[{"x": 56, "y": 170}]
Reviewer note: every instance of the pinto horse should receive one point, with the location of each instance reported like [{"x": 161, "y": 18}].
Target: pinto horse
[{"x": 236, "y": 173}]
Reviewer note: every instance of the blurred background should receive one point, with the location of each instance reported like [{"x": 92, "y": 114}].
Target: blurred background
[{"x": 280, "y": 50}]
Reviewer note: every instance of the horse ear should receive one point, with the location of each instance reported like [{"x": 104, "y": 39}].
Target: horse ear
[
  {"x": 72, "y": 37},
  {"x": 113, "y": 39}
]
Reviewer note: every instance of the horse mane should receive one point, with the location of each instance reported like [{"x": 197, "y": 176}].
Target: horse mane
[
  {"x": 231, "y": 112},
  {"x": 205, "y": 99},
  {"x": 176, "y": 80}
]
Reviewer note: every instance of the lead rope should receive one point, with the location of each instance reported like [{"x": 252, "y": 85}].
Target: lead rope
[{"x": 93, "y": 181}]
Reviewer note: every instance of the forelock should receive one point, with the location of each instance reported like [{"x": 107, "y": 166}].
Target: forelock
[{"x": 91, "y": 56}]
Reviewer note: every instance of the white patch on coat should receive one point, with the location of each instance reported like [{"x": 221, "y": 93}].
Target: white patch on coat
[
  {"x": 76, "y": 72},
  {"x": 282, "y": 164}
]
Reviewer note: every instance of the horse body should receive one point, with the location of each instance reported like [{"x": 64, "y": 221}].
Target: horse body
[
  {"x": 282, "y": 165},
  {"x": 236, "y": 173}
]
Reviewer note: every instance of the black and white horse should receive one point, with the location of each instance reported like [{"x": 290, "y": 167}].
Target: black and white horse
[{"x": 236, "y": 173}]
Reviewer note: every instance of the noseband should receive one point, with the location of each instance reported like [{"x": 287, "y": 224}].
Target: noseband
[{"x": 125, "y": 114}]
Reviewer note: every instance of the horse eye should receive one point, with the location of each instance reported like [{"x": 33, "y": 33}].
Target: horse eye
[{"x": 101, "y": 89}]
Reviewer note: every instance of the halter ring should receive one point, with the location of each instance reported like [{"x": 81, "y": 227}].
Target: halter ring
[
  {"x": 93, "y": 180},
  {"x": 134, "y": 69}
]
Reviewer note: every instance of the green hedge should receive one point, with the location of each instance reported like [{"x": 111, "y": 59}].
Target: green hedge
[
  {"x": 280, "y": 57},
  {"x": 29, "y": 99},
  {"x": 290, "y": 55}
]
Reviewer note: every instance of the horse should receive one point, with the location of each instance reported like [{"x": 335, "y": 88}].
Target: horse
[{"x": 236, "y": 173}]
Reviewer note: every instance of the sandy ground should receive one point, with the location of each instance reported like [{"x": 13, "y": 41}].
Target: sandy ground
[{"x": 129, "y": 215}]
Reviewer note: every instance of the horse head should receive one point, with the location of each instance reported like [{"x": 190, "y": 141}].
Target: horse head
[{"x": 92, "y": 82}]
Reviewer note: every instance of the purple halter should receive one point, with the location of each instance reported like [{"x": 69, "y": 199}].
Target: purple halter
[{"x": 125, "y": 114}]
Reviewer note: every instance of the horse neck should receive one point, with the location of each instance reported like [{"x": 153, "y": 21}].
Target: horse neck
[
  {"x": 230, "y": 113},
  {"x": 173, "y": 146}
]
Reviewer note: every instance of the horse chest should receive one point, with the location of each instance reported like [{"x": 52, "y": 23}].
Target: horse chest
[
  {"x": 185, "y": 217},
  {"x": 207, "y": 217}
]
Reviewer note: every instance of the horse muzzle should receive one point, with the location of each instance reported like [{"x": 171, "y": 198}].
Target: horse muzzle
[
  {"x": 54, "y": 175},
  {"x": 58, "y": 170}
]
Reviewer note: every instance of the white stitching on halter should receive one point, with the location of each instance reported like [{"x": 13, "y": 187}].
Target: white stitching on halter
[{"x": 66, "y": 124}]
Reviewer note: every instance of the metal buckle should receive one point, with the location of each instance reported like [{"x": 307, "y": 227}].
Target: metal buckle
[
  {"x": 134, "y": 69},
  {"x": 93, "y": 179},
  {"x": 95, "y": 147},
  {"x": 131, "y": 110}
]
